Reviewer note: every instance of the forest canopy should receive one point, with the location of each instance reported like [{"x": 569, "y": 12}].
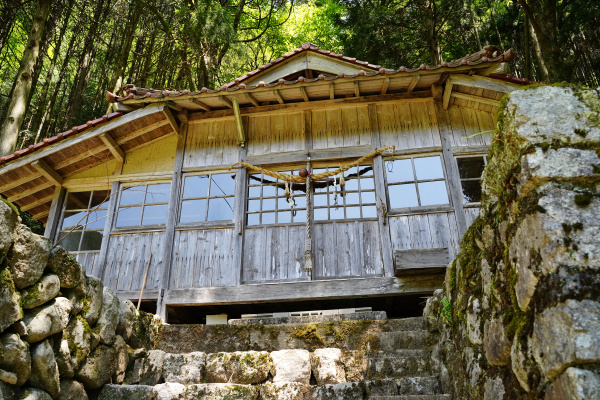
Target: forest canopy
[{"x": 58, "y": 58}]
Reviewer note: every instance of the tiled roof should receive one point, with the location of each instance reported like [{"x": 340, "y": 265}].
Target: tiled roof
[
  {"x": 489, "y": 55},
  {"x": 513, "y": 79},
  {"x": 63, "y": 135}
]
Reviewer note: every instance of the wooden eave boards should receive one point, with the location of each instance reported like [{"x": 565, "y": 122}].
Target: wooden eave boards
[{"x": 29, "y": 181}]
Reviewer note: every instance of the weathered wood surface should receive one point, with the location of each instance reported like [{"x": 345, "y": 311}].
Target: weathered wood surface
[
  {"x": 414, "y": 261},
  {"x": 126, "y": 261},
  {"x": 407, "y": 125},
  {"x": 466, "y": 122},
  {"x": 204, "y": 258},
  {"x": 275, "y": 133},
  {"x": 344, "y": 249},
  {"x": 470, "y": 214},
  {"x": 341, "y": 127},
  {"x": 299, "y": 291},
  {"x": 211, "y": 143},
  {"x": 424, "y": 231},
  {"x": 274, "y": 253},
  {"x": 89, "y": 260}
]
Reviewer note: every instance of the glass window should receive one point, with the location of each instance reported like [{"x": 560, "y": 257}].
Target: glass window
[
  {"x": 268, "y": 203},
  {"x": 354, "y": 200},
  {"x": 470, "y": 170},
  {"x": 82, "y": 225},
  {"x": 208, "y": 198},
  {"x": 143, "y": 205},
  {"x": 416, "y": 181}
]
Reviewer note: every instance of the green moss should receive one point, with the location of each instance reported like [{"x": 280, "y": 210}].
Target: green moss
[
  {"x": 11, "y": 205},
  {"x": 330, "y": 330},
  {"x": 308, "y": 334},
  {"x": 583, "y": 199},
  {"x": 581, "y": 132}
]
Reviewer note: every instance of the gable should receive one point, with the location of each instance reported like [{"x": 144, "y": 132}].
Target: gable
[{"x": 312, "y": 64}]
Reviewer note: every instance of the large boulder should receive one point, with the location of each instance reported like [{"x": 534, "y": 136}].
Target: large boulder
[
  {"x": 575, "y": 384},
  {"x": 285, "y": 391},
  {"x": 34, "y": 394},
  {"x": 168, "y": 391},
  {"x": 8, "y": 222},
  {"x": 186, "y": 369},
  {"x": 94, "y": 290},
  {"x": 109, "y": 317},
  {"x": 40, "y": 292},
  {"x": 327, "y": 366},
  {"x": 98, "y": 367},
  {"x": 152, "y": 367},
  {"x": 291, "y": 366},
  {"x": 127, "y": 315},
  {"x": 495, "y": 342},
  {"x": 28, "y": 257},
  {"x": 10, "y": 299},
  {"x": 349, "y": 391},
  {"x": 16, "y": 357},
  {"x": 122, "y": 359},
  {"x": 245, "y": 367},
  {"x": 71, "y": 390},
  {"x": 65, "y": 265},
  {"x": 47, "y": 319},
  {"x": 76, "y": 344},
  {"x": 220, "y": 391},
  {"x": 125, "y": 392},
  {"x": 44, "y": 371},
  {"x": 565, "y": 335}
]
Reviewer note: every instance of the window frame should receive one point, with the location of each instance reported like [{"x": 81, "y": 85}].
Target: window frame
[
  {"x": 206, "y": 223},
  {"x": 460, "y": 180},
  {"x": 142, "y": 228},
  {"x": 59, "y": 230},
  {"x": 445, "y": 207}
]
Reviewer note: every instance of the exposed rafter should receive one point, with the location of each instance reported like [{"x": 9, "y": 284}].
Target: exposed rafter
[{"x": 47, "y": 172}]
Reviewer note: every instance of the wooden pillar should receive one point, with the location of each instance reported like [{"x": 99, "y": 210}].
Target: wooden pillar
[
  {"x": 380, "y": 192},
  {"x": 55, "y": 212},
  {"x": 451, "y": 167},
  {"x": 110, "y": 217},
  {"x": 309, "y": 243},
  {"x": 172, "y": 213},
  {"x": 239, "y": 212}
]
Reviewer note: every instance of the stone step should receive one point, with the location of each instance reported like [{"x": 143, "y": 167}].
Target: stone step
[
  {"x": 418, "y": 385},
  {"x": 399, "y": 366},
  {"x": 406, "y": 324},
  {"x": 390, "y": 341},
  {"x": 413, "y": 397}
]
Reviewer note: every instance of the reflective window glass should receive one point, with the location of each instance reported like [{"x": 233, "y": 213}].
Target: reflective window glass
[
  {"x": 83, "y": 220},
  {"x": 470, "y": 170},
  {"x": 213, "y": 191}
]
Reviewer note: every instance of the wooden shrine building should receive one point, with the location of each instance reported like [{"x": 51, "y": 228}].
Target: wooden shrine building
[{"x": 151, "y": 184}]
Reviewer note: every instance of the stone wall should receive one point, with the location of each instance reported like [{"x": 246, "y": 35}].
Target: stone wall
[
  {"x": 520, "y": 310},
  {"x": 61, "y": 332}
]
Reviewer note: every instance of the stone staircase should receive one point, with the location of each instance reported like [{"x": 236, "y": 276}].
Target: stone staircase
[{"x": 306, "y": 358}]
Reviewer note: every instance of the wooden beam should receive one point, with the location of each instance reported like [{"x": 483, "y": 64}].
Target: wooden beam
[
  {"x": 482, "y": 82},
  {"x": 112, "y": 146},
  {"x": 477, "y": 99},
  {"x": 304, "y": 94},
  {"x": 447, "y": 94},
  {"x": 172, "y": 105},
  {"x": 238, "y": 122},
  {"x": 18, "y": 182},
  {"x": 385, "y": 86},
  {"x": 200, "y": 104},
  {"x": 437, "y": 92},
  {"x": 278, "y": 96},
  {"x": 226, "y": 101},
  {"x": 415, "y": 80},
  {"x": 356, "y": 89},
  {"x": 88, "y": 134},
  {"x": 299, "y": 106},
  {"x": 298, "y": 291},
  {"x": 254, "y": 102},
  {"x": 119, "y": 141},
  {"x": 103, "y": 181},
  {"x": 41, "y": 215},
  {"x": 183, "y": 115},
  {"x": 47, "y": 172},
  {"x": 37, "y": 203},
  {"x": 172, "y": 120},
  {"x": 331, "y": 91},
  {"x": 29, "y": 192}
]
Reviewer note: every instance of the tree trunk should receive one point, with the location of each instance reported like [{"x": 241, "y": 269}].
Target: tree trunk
[
  {"x": 527, "y": 47},
  {"x": 18, "y": 103},
  {"x": 543, "y": 70}
]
